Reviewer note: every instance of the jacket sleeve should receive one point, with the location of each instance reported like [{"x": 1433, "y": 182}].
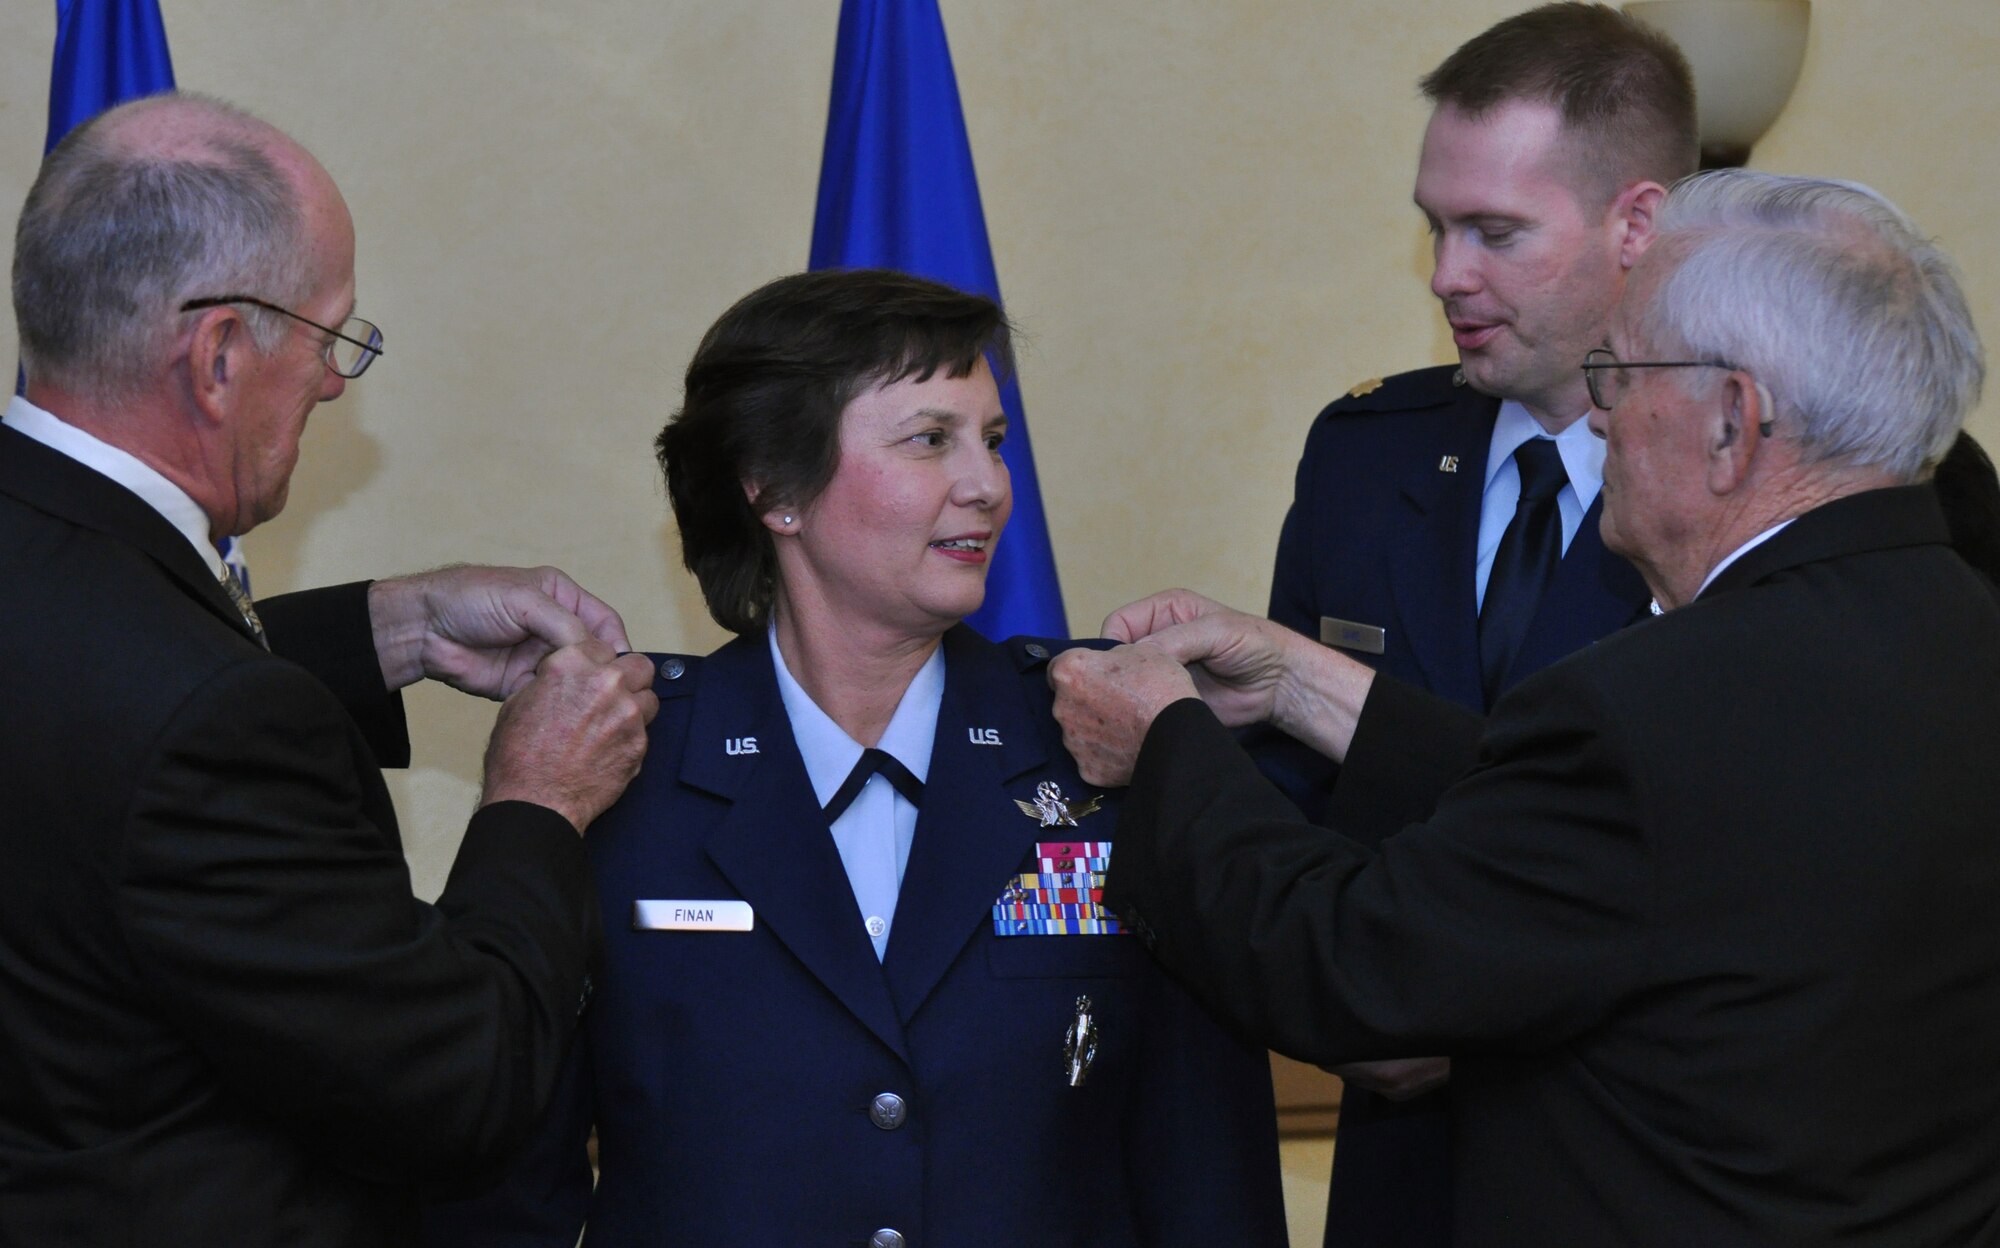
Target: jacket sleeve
[
  {"x": 1409, "y": 747},
  {"x": 274, "y": 921},
  {"x": 1515, "y": 916},
  {"x": 541, "y": 1200},
  {"x": 328, "y": 632},
  {"x": 1301, "y": 773}
]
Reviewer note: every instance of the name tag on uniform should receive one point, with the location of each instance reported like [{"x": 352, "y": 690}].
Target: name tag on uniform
[
  {"x": 1364, "y": 638},
  {"x": 692, "y": 916}
]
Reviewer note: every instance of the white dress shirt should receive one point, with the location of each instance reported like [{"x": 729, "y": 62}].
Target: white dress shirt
[
  {"x": 1741, "y": 551},
  {"x": 125, "y": 468},
  {"x": 874, "y": 834}
]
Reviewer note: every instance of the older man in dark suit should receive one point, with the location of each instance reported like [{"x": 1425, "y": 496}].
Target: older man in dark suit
[
  {"x": 223, "y": 1017},
  {"x": 1707, "y": 926}
]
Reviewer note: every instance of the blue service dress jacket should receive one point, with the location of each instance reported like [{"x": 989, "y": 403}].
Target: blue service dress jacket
[
  {"x": 780, "y": 1086},
  {"x": 1383, "y": 532}
]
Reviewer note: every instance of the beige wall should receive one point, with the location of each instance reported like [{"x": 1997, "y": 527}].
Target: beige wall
[{"x": 1199, "y": 211}]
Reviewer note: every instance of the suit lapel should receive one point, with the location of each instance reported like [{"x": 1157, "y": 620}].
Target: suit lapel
[
  {"x": 1432, "y": 557},
  {"x": 53, "y": 482},
  {"x": 773, "y": 846},
  {"x": 970, "y": 836}
]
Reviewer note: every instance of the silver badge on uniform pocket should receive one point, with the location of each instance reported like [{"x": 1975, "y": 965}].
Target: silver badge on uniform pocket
[{"x": 1080, "y": 1043}]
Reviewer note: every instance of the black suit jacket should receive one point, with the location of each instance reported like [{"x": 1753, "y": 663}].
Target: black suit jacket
[
  {"x": 223, "y": 1017},
  {"x": 1384, "y": 531},
  {"x": 1708, "y": 928}
]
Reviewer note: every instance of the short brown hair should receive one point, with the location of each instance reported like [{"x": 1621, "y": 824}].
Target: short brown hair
[
  {"x": 765, "y": 391},
  {"x": 1624, "y": 90}
]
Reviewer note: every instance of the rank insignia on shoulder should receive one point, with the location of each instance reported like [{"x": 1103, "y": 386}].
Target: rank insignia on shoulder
[
  {"x": 1051, "y": 809},
  {"x": 1365, "y": 389}
]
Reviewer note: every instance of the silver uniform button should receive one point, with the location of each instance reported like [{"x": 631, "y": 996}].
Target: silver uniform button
[
  {"x": 886, "y": 1238},
  {"x": 888, "y": 1111},
  {"x": 1038, "y": 651},
  {"x": 672, "y": 669},
  {"x": 876, "y": 925}
]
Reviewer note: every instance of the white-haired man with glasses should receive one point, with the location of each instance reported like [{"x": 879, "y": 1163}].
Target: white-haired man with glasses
[
  {"x": 224, "y": 1019},
  {"x": 1704, "y": 912}
]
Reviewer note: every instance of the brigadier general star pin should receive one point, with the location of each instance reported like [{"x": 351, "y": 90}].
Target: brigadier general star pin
[{"x": 1051, "y": 809}]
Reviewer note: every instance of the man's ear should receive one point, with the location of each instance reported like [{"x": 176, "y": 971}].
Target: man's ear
[
  {"x": 1741, "y": 424},
  {"x": 1637, "y": 213},
  {"x": 217, "y": 355}
]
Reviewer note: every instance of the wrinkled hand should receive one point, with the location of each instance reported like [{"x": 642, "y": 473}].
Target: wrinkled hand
[
  {"x": 480, "y": 629},
  {"x": 572, "y": 737},
  {"x": 1398, "y": 1078},
  {"x": 1138, "y": 620},
  {"x": 1238, "y": 661},
  {"x": 1107, "y": 699},
  {"x": 1252, "y": 670}
]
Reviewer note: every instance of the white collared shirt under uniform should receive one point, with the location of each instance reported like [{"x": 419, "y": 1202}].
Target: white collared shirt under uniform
[{"x": 873, "y": 834}]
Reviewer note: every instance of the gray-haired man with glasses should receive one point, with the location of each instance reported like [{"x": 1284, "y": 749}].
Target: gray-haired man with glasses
[
  {"x": 224, "y": 1019},
  {"x": 1705, "y": 912}
]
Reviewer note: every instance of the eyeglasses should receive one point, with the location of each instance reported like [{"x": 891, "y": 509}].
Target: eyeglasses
[
  {"x": 354, "y": 347},
  {"x": 1604, "y": 393}
]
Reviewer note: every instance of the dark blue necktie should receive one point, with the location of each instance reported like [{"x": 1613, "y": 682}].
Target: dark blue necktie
[
  {"x": 872, "y": 761},
  {"x": 1525, "y": 563}
]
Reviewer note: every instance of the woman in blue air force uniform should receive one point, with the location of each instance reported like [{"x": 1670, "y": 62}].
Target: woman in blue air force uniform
[{"x": 811, "y": 1028}]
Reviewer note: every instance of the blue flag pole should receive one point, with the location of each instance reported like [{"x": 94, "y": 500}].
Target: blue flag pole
[{"x": 897, "y": 191}]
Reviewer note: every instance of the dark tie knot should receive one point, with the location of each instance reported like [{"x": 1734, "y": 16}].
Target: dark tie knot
[
  {"x": 873, "y": 761},
  {"x": 1541, "y": 468}
]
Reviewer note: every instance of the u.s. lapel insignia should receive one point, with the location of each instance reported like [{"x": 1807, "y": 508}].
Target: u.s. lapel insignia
[
  {"x": 1051, "y": 809},
  {"x": 1365, "y": 389},
  {"x": 1458, "y": 377},
  {"x": 1448, "y": 463}
]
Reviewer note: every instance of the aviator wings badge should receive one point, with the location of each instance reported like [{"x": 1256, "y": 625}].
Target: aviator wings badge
[{"x": 1051, "y": 809}]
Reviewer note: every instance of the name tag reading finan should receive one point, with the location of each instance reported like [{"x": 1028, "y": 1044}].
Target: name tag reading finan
[{"x": 692, "y": 916}]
